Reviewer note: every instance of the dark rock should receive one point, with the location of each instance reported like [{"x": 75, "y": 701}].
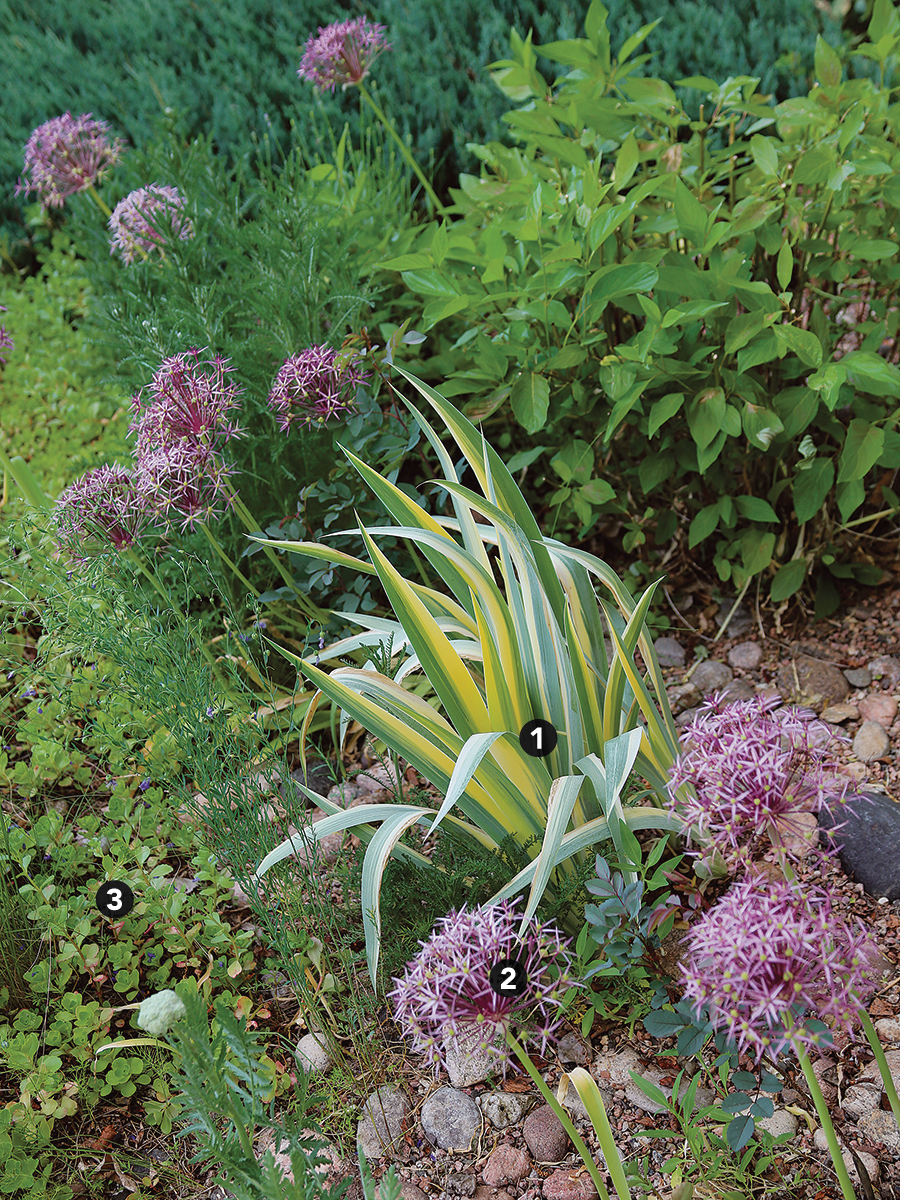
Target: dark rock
[
  {"x": 669, "y": 652},
  {"x": 869, "y": 841}
]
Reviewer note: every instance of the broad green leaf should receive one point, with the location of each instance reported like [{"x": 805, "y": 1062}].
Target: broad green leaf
[
  {"x": 704, "y": 524},
  {"x": 761, "y": 425},
  {"x": 707, "y": 456},
  {"x": 811, "y": 486},
  {"x": 827, "y": 64},
  {"x": 815, "y": 166},
  {"x": 764, "y": 154},
  {"x": 405, "y": 262},
  {"x": 742, "y": 328},
  {"x": 788, "y": 580},
  {"x": 705, "y": 415},
  {"x": 626, "y": 161},
  {"x": 617, "y": 279},
  {"x": 872, "y": 249},
  {"x": 803, "y": 343},
  {"x": 863, "y": 447},
  {"x": 871, "y": 373},
  {"x": 430, "y": 283},
  {"x": 784, "y": 266},
  {"x": 754, "y": 508},
  {"x": 439, "y": 310},
  {"x": 850, "y": 496},
  {"x": 691, "y": 217},
  {"x": 574, "y": 462},
  {"x": 532, "y": 122},
  {"x": 756, "y": 550},
  {"x": 662, "y": 410},
  {"x": 631, "y": 43},
  {"x": 530, "y": 399}
]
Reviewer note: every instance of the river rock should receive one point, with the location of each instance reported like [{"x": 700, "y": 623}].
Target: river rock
[
  {"x": 869, "y": 840},
  {"x": 379, "y": 1131},
  {"x": 820, "y": 683},
  {"x": 545, "y": 1136},
  {"x": 871, "y": 741},
  {"x": 711, "y": 675},
  {"x": 745, "y": 655},
  {"x": 451, "y": 1119}
]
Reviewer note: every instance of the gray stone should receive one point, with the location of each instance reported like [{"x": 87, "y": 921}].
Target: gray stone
[
  {"x": 379, "y": 1131},
  {"x": 572, "y": 1048},
  {"x": 740, "y": 623},
  {"x": 738, "y": 689},
  {"x": 870, "y": 1164},
  {"x": 312, "y": 1053},
  {"x": 811, "y": 682},
  {"x": 885, "y": 666},
  {"x": 871, "y": 1074},
  {"x": 781, "y": 1121},
  {"x": 545, "y": 1136},
  {"x": 460, "y": 1183},
  {"x": 669, "y": 652},
  {"x": 746, "y": 655},
  {"x": 869, "y": 841},
  {"x": 871, "y": 741},
  {"x": 860, "y": 678},
  {"x": 330, "y": 1161},
  {"x": 710, "y": 676},
  {"x": 859, "y": 1100},
  {"x": 468, "y": 1060},
  {"x": 451, "y": 1119},
  {"x": 682, "y": 696},
  {"x": 881, "y": 1126},
  {"x": 503, "y": 1109}
]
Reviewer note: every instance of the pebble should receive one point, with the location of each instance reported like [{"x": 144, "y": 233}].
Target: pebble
[
  {"x": 871, "y": 741},
  {"x": 745, "y": 655}
]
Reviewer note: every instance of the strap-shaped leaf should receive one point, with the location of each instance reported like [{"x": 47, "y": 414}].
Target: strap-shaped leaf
[
  {"x": 446, "y": 671},
  {"x": 609, "y": 780},
  {"x": 560, "y": 803},
  {"x": 481, "y": 456}
]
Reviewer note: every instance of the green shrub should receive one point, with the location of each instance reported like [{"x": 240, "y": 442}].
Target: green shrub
[
  {"x": 233, "y": 68},
  {"x": 661, "y": 320}
]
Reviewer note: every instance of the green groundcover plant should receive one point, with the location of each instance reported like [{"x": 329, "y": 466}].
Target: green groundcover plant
[{"x": 666, "y": 324}]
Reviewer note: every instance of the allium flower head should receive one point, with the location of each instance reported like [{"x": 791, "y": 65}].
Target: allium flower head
[
  {"x": 189, "y": 401},
  {"x": 6, "y": 342},
  {"x": 133, "y": 232},
  {"x": 342, "y": 53},
  {"x": 187, "y": 478},
  {"x": 765, "y": 948},
  {"x": 750, "y": 768},
  {"x": 447, "y": 986},
  {"x": 66, "y": 155},
  {"x": 104, "y": 506},
  {"x": 309, "y": 388}
]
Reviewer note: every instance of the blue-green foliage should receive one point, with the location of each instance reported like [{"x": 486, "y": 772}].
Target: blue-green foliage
[{"x": 232, "y": 68}]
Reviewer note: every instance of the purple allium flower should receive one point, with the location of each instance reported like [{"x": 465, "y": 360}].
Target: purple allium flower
[
  {"x": 131, "y": 230},
  {"x": 754, "y": 771},
  {"x": 66, "y": 155},
  {"x": 190, "y": 400},
  {"x": 6, "y": 342},
  {"x": 446, "y": 989},
  {"x": 342, "y": 53},
  {"x": 309, "y": 390},
  {"x": 186, "y": 478},
  {"x": 766, "y": 947},
  {"x": 105, "y": 503}
]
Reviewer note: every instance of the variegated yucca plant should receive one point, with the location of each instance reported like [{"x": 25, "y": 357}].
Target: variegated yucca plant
[{"x": 495, "y": 661}]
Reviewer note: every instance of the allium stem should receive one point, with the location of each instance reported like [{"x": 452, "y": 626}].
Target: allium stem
[
  {"x": 311, "y": 609},
  {"x": 104, "y": 207},
  {"x": 604, "y": 1136},
  {"x": 213, "y": 541},
  {"x": 878, "y": 1050},
  {"x": 154, "y": 580},
  {"x": 404, "y": 149},
  {"x": 822, "y": 1109}
]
